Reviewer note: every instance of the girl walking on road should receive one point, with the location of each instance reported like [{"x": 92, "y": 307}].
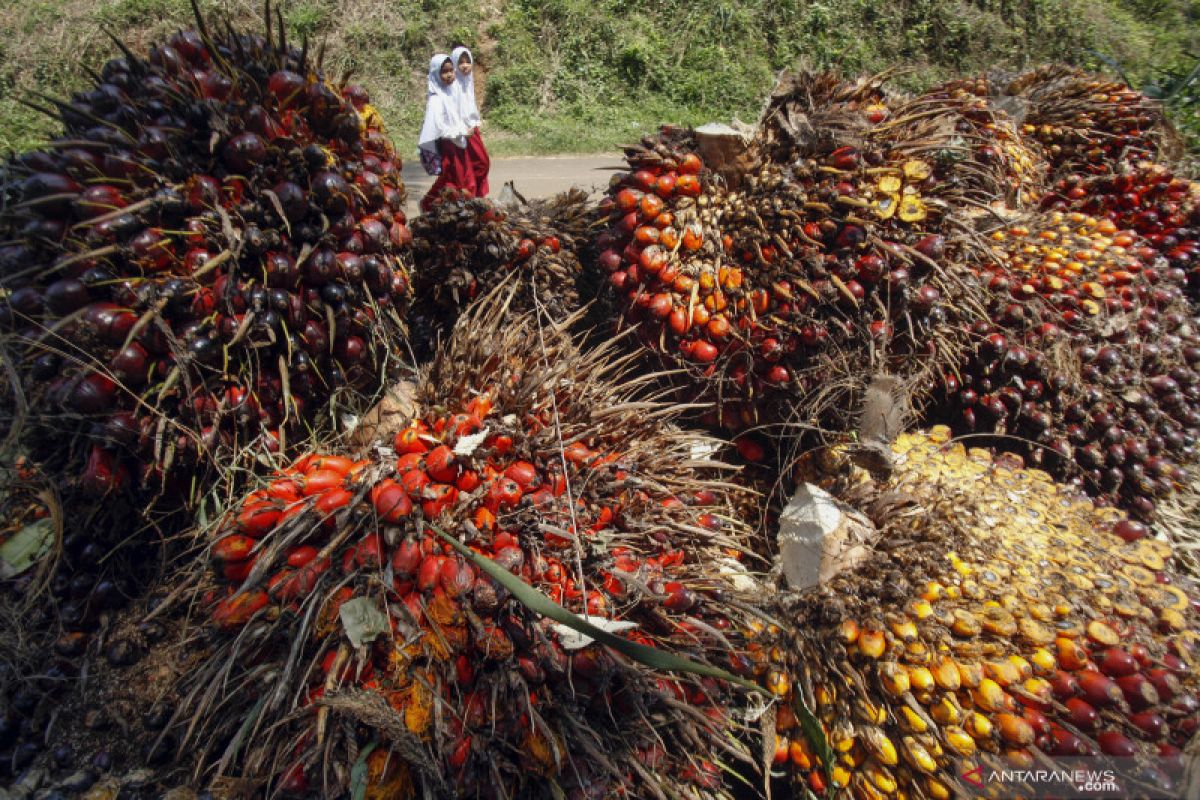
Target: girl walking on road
[
  {"x": 443, "y": 139},
  {"x": 481, "y": 163}
]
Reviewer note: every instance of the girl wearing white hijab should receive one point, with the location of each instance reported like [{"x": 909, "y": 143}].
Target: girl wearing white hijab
[
  {"x": 464, "y": 90},
  {"x": 444, "y": 134}
]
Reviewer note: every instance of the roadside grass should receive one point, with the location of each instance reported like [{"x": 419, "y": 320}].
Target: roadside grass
[{"x": 562, "y": 76}]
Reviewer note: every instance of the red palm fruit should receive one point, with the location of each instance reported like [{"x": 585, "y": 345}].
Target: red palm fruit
[
  {"x": 665, "y": 186},
  {"x": 369, "y": 553},
  {"x": 1097, "y": 689},
  {"x": 333, "y": 500},
  {"x": 441, "y": 464},
  {"x": 409, "y": 461},
  {"x": 414, "y": 482},
  {"x": 646, "y": 235},
  {"x": 238, "y": 571},
  {"x": 1113, "y": 743},
  {"x": 233, "y": 612},
  {"x": 645, "y": 180},
  {"x": 256, "y": 519},
  {"x": 320, "y": 481},
  {"x": 627, "y": 200},
  {"x": 650, "y": 206},
  {"x": 504, "y": 493},
  {"x": 456, "y": 576},
  {"x": 429, "y": 572},
  {"x": 1116, "y": 663},
  {"x": 235, "y": 547},
  {"x": 301, "y": 555},
  {"x": 439, "y": 497},
  {"x": 1139, "y": 692},
  {"x": 409, "y": 441},
  {"x": 524, "y": 473},
  {"x": 391, "y": 501},
  {"x": 103, "y": 473},
  {"x": 688, "y": 186},
  {"x": 468, "y": 481},
  {"x": 1082, "y": 714},
  {"x": 750, "y": 449},
  {"x": 407, "y": 558},
  {"x": 1165, "y": 683},
  {"x": 704, "y": 352},
  {"x": 284, "y": 490},
  {"x": 1130, "y": 530}
]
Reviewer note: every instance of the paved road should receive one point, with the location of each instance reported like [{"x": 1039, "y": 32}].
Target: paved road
[{"x": 532, "y": 177}]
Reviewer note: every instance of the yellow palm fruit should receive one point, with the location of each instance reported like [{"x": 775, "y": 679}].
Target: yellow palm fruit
[
  {"x": 946, "y": 674},
  {"x": 880, "y": 746},
  {"x": 1010, "y": 580},
  {"x": 912, "y": 721},
  {"x": 989, "y": 696},
  {"x": 959, "y": 740},
  {"x": 894, "y": 678},
  {"x": 917, "y": 756},
  {"x": 921, "y": 679}
]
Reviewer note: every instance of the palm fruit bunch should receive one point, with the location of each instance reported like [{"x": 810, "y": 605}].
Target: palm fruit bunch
[
  {"x": 533, "y": 457},
  {"x": 775, "y": 302},
  {"x": 1083, "y": 121},
  {"x": 1086, "y": 364},
  {"x": 213, "y": 247},
  {"x": 1148, "y": 200},
  {"x": 464, "y": 248},
  {"x": 1002, "y": 621}
]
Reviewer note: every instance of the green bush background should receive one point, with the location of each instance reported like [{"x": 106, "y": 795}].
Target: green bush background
[{"x": 588, "y": 75}]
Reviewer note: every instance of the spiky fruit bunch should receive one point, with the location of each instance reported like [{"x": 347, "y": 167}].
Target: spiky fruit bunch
[
  {"x": 1148, "y": 199},
  {"x": 1087, "y": 364},
  {"x": 1002, "y": 621},
  {"x": 531, "y": 455},
  {"x": 465, "y": 248},
  {"x": 776, "y": 302},
  {"x": 1083, "y": 121},
  {"x": 213, "y": 247}
]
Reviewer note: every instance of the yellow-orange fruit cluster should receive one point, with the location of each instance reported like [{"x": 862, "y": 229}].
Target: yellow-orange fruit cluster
[{"x": 999, "y": 622}]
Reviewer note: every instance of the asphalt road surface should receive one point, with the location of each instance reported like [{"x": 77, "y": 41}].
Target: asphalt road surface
[{"x": 532, "y": 177}]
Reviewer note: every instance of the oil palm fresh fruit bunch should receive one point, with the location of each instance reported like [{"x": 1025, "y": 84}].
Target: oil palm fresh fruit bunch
[
  {"x": 1086, "y": 364},
  {"x": 1147, "y": 200},
  {"x": 465, "y": 248},
  {"x": 1084, "y": 121},
  {"x": 341, "y": 601},
  {"x": 213, "y": 248},
  {"x": 775, "y": 302},
  {"x": 1003, "y": 621}
]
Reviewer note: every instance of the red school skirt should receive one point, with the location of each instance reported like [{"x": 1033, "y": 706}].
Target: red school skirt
[
  {"x": 456, "y": 173},
  {"x": 481, "y": 162}
]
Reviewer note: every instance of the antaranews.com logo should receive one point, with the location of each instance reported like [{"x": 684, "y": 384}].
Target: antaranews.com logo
[{"x": 1076, "y": 779}]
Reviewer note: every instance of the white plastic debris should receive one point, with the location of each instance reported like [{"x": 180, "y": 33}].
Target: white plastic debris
[
  {"x": 819, "y": 537},
  {"x": 571, "y": 639}
]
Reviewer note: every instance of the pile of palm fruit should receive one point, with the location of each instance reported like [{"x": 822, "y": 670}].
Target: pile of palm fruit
[
  {"x": 463, "y": 248},
  {"x": 1059, "y": 634},
  {"x": 212, "y": 249},
  {"x": 534, "y": 579},
  {"x": 536, "y": 457}
]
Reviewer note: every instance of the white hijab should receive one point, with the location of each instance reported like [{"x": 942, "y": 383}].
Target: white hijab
[
  {"x": 442, "y": 118},
  {"x": 464, "y": 89}
]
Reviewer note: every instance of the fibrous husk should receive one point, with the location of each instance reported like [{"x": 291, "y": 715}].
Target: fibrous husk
[{"x": 468, "y": 690}]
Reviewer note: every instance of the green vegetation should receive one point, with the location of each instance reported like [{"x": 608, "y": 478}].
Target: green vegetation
[{"x": 585, "y": 75}]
